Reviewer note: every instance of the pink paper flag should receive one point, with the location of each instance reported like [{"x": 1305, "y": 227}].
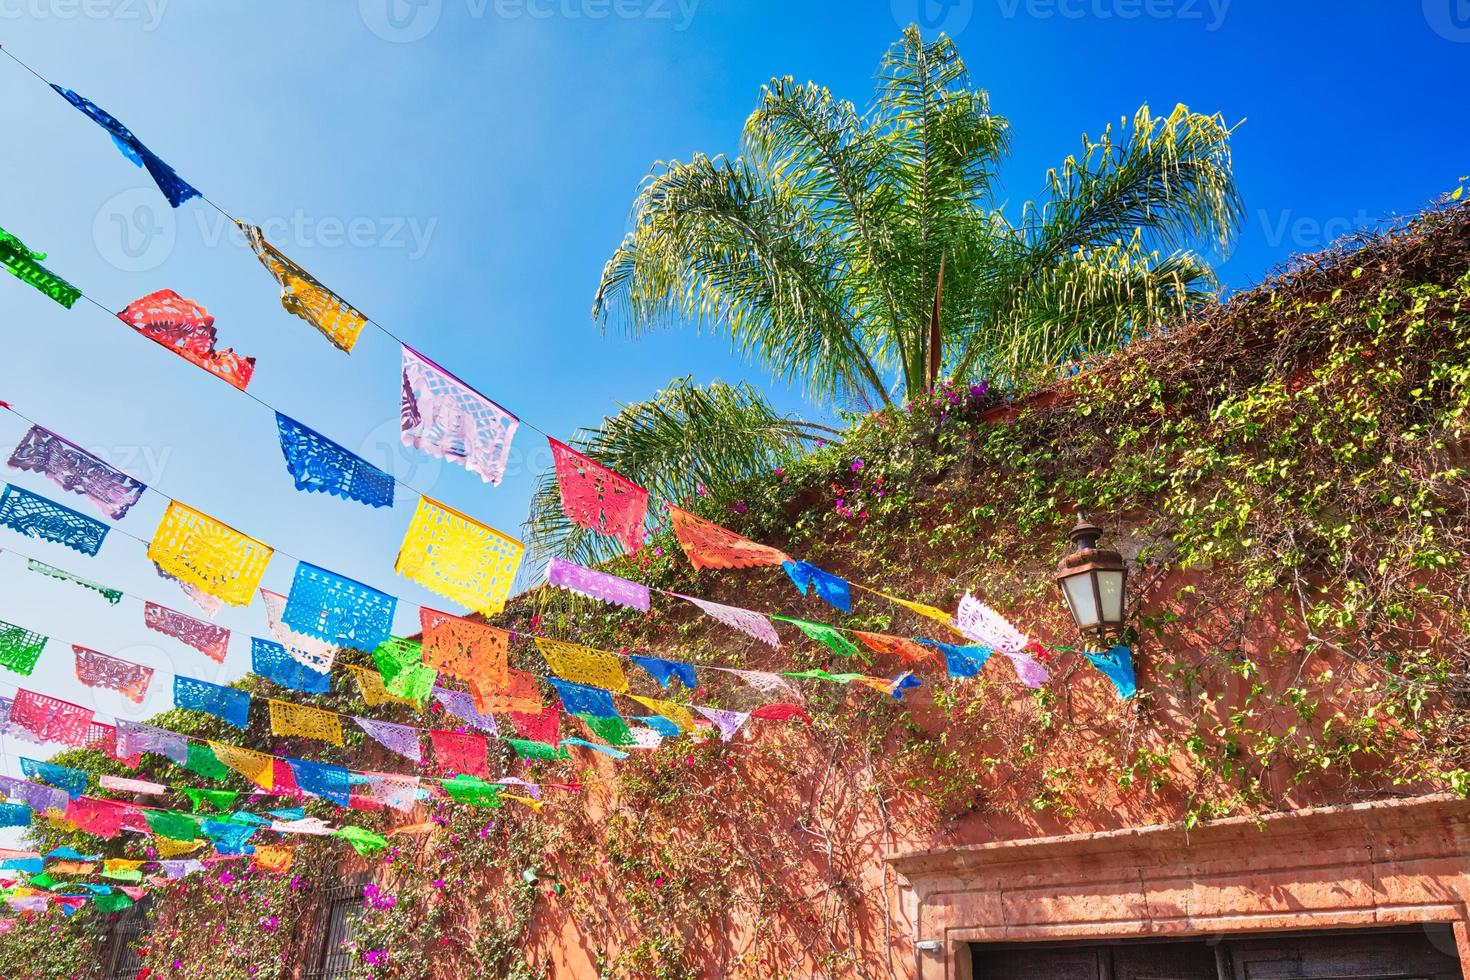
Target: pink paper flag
[
  {"x": 96, "y": 669},
  {"x": 745, "y": 620},
  {"x": 211, "y": 640},
  {"x": 445, "y": 417}
]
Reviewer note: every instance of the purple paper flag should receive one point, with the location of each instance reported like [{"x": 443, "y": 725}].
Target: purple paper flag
[
  {"x": 397, "y": 738},
  {"x": 461, "y": 705},
  {"x": 72, "y": 468},
  {"x": 134, "y": 738},
  {"x": 728, "y": 722},
  {"x": 38, "y": 797},
  {"x": 1032, "y": 674},
  {"x": 597, "y": 585}
]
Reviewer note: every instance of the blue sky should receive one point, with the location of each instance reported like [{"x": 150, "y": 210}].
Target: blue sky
[{"x": 460, "y": 169}]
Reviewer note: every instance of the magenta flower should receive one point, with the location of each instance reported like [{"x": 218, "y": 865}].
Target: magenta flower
[
  {"x": 271, "y": 924},
  {"x": 857, "y": 464}
]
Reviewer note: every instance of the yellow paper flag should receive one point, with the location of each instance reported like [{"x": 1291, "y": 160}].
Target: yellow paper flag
[
  {"x": 304, "y": 296},
  {"x": 175, "y": 848},
  {"x": 215, "y": 558},
  {"x": 671, "y": 710},
  {"x": 370, "y": 683},
  {"x": 458, "y": 557},
  {"x": 276, "y": 860},
  {"x": 305, "y": 721},
  {"x": 583, "y": 665},
  {"x": 257, "y": 767}
]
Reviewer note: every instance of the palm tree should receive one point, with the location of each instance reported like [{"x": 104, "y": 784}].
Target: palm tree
[
  {"x": 866, "y": 256},
  {"x": 820, "y": 249}
]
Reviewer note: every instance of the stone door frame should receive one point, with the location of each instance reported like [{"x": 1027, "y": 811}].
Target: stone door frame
[{"x": 1386, "y": 863}]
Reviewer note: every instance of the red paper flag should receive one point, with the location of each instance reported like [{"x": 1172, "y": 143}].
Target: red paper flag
[
  {"x": 544, "y": 726},
  {"x": 781, "y": 712},
  {"x": 46, "y": 719},
  {"x": 187, "y": 329},
  {"x": 594, "y": 497},
  {"x": 457, "y": 753}
]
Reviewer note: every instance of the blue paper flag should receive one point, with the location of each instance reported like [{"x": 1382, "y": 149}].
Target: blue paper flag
[
  {"x": 905, "y": 682},
  {"x": 74, "y": 781},
  {"x": 171, "y": 184},
  {"x": 271, "y": 661},
  {"x": 328, "y": 782},
  {"x": 581, "y": 699},
  {"x": 290, "y": 814},
  {"x": 229, "y": 838},
  {"x": 962, "y": 661},
  {"x": 607, "y": 750},
  {"x": 319, "y": 464},
  {"x": 36, "y": 517},
  {"x": 15, "y": 815},
  {"x": 225, "y": 703},
  {"x": 662, "y": 725},
  {"x": 30, "y": 866},
  {"x": 72, "y": 854},
  {"x": 663, "y": 670},
  {"x": 1117, "y": 664},
  {"x": 832, "y": 589},
  {"x": 339, "y": 610}
]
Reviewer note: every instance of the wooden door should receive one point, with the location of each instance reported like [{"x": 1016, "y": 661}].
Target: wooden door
[{"x": 1410, "y": 954}]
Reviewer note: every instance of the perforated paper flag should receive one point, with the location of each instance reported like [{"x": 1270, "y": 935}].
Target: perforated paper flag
[
  {"x": 75, "y": 470},
  {"x": 530, "y": 750},
  {"x": 74, "y": 781},
  {"x": 613, "y": 731},
  {"x": 254, "y": 766},
  {"x": 987, "y": 627},
  {"x": 119, "y": 784},
  {"x": 664, "y": 671},
  {"x": 370, "y": 685},
  {"x": 20, "y": 648},
  {"x": 36, "y": 517},
  {"x": 671, "y": 710},
  {"x": 318, "y": 464},
  {"x": 468, "y": 789},
  {"x": 1117, "y": 665},
  {"x": 763, "y": 681},
  {"x": 271, "y": 661},
  {"x": 580, "y": 699},
  {"x": 400, "y": 662},
  {"x": 398, "y": 738},
  {"x": 337, "y": 609},
  {"x": 444, "y": 417},
  {"x": 39, "y": 718},
  {"x": 519, "y": 694},
  {"x": 211, "y": 640},
  {"x": 594, "y": 497},
  {"x": 542, "y": 726},
  {"x": 597, "y": 585},
  {"x": 186, "y": 328},
  {"x": 305, "y": 650},
  {"x": 225, "y": 703},
  {"x": 708, "y": 545},
  {"x": 213, "y": 557},
  {"x": 728, "y": 722},
  {"x": 830, "y": 588},
  {"x": 584, "y": 665},
  {"x": 961, "y": 661},
  {"x": 174, "y": 187},
  {"x": 134, "y": 738},
  {"x": 455, "y": 753},
  {"x": 458, "y": 557},
  {"x": 393, "y": 790},
  {"x": 25, "y": 265},
  {"x": 464, "y": 649},
  {"x": 909, "y": 651},
  {"x": 96, "y": 669},
  {"x": 1031, "y": 673},
  {"x": 328, "y": 782},
  {"x": 113, "y": 596},
  {"x": 828, "y": 636},
  {"x": 305, "y": 721},
  {"x": 745, "y": 620},
  {"x": 461, "y": 705},
  {"x": 302, "y": 295}
]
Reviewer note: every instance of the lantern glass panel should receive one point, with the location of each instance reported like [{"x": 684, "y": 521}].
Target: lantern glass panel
[
  {"x": 1082, "y": 599},
  {"x": 1110, "y": 588}
]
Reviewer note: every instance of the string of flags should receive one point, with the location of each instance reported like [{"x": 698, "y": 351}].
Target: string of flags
[{"x": 444, "y": 550}]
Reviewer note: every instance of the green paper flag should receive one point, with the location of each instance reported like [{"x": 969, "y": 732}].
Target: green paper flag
[
  {"x": 822, "y": 675},
  {"x": 833, "y": 639},
  {"x": 221, "y": 799},
  {"x": 20, "y": 648},
  {"x": 43, "y": 880},
  {"x": 114, "y": 596},
  {"x": 613, "y": 731},
  {"x": 133, "y": 876},
  {"x": 401, "y": 663},
  {"x": 201, "y": 760},
  {"x": 363, "y": 841},
  {"x": 115, "y": 902},
  {"x": 468, "y": 789},
  {"x": 26, "y": 266},
  {"x": 176, "y": 826},
  {"x": 535, "y": 750}
]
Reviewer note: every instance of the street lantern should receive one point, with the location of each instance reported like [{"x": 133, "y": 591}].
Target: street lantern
[{"x": 1093, "y": 581}]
